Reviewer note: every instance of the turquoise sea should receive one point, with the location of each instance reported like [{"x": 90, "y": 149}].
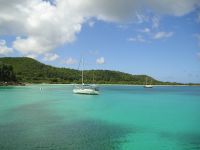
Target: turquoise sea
[{"x": 120, "y": 118}]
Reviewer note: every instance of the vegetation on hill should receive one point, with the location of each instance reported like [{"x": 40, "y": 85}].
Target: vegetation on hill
[
  {"x": 31, "y": 71},
  {"x": 6, "y": 73}
]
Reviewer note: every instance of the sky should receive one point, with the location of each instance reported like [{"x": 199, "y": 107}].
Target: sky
[{"x": 156, "y": 38}]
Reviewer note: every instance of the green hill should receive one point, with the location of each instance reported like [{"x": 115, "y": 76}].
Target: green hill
[
  {"x": 6, "y": 73},
  {"x": 32, "y": 71}
]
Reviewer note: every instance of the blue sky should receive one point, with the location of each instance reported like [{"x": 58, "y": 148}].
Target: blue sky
[{"x": 162, "y": 41}]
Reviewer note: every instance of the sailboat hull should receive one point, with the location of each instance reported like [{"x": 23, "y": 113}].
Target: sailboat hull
[
  {"x": 86, "y": 91},
  {"x": 148, "y": 86}
]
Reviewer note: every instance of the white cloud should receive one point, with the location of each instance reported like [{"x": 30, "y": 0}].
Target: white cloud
[
  {"x": 41, "y": 26},
  {"x": 152, "y": 32},
  {"x": 138, "y": 38},
  {"x": 50, "y": 57},
  {"x": 31, "y": 56},
  {"x": 173, "y": 7},
  {"x": 34, "y": 45},
  {"x": 70, "y": 61},
  {"x": 100, "y": 60},
  {"x": 119, "y": 10},
  {"x": 161, "y": 35},
  {"x": 4, "y": 50}
]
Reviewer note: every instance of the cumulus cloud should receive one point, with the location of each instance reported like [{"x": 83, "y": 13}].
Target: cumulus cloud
[
  {"x": 31, "y": 56},
  {"x": 171, "y": 7},
  {"x": 34, "y": 45},
  {"x": 41, "y": 26},
  {"x": 50, "y": 57},
  {"x": 4, "y": 49},
  {"x": 161, "y": 35},
  {"x": 70, "y": 61},
  {"x": 113, "y": 10},
  {"x": 100, "y": 60}
]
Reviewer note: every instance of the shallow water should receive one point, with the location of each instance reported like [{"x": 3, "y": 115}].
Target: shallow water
[{"x": 120, "y": 118}]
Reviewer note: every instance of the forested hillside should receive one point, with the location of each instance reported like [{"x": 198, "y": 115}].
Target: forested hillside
[
  {"x": 6, "y": 73},
  {"x": 29, "y": 70}
]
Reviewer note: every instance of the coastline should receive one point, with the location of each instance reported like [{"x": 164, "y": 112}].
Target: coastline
[
  {"x": 29, "y": 84},
  {"x": 12, "y": 84}
]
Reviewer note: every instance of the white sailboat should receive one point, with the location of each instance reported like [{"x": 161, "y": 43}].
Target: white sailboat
[
  {"x": 85, "y": 88},
  {"x": 148, "y": 85}
]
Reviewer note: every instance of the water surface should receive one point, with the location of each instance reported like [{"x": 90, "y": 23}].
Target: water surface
[{"x": 120, "y": 118}]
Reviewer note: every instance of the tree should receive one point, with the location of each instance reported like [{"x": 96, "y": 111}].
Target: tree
[{"x": 6, "y": 73}]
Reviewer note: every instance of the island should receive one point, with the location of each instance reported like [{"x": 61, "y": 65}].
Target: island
[{"x": 22, "y": 70}]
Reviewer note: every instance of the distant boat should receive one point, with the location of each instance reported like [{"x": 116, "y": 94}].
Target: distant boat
[
  {"x": 148, "y": 85},
  {"x": 90, "y": 89}
]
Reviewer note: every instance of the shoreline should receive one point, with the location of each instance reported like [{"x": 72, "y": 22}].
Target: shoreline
[
  {"x": 30, "y": 84},
  {"x": 12, "y": 84}
]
